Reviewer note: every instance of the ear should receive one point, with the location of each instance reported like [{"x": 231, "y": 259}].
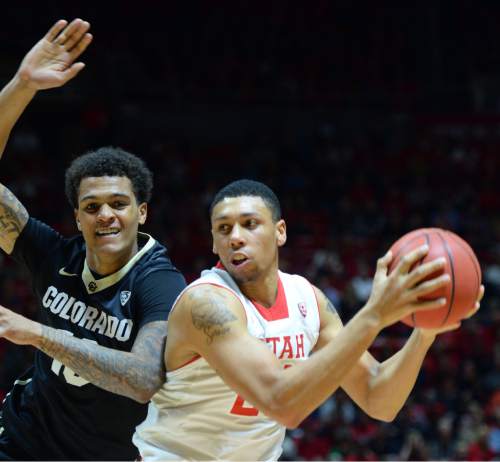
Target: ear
[
  {"x": 143, "y": 213},
  {"x": 75, "y": 211},
  {"x": 214, "y": 250},
  {"x": 281, "y": 233}
]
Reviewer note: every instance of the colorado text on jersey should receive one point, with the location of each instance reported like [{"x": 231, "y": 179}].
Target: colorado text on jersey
[{"x": 88, "y": 317}]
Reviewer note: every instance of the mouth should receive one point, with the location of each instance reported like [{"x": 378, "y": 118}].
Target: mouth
[
  {"x": 109, "y": 232},
  {"x": 239, "y": 260}
]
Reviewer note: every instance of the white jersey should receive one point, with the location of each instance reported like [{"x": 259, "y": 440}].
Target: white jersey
[{"x": 196, "y": 416}]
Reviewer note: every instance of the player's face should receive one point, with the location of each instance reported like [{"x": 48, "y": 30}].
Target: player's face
[
  {"x": 108, "y": 216},
  {"x": 246, "y": 238}
]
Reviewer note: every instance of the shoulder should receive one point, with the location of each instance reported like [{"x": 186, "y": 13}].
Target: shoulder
[
  {"x": 38, "y": 241},
  {"x": 202, "y": 292},
  {"x": 295, "y": 279},
  {"x": 37, "y": 229},
  {"x": 300, "y": 285},
  {"x": 210, "y": 302},
  {"x": 153, "y": 259},
  {"x": 329, "y": 316},
  {"x": 154, "y": 255},
  {"x": 208, "y": 313}
]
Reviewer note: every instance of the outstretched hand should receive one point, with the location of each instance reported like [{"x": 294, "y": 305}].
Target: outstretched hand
[{"x": 51, "y": 62}]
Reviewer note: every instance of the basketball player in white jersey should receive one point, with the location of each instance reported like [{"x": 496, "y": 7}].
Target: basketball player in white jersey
[{"x": 240, "y": 337}]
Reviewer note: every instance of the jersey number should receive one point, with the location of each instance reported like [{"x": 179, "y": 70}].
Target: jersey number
[
  {"x": 239, "y": 407},
  {"x": 69, "y": 374}
]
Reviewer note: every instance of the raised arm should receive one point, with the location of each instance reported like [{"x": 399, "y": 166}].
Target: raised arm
[
  {"x": 49, "y": 64},
  {"x": 13, "y": 219},
  {"x": 381, "y": 389},
  {"x": 213, "y": 322}
]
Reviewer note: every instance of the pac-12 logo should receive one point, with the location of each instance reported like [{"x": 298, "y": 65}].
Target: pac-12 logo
[
  {"x": 302, "y": 308},
  {"x": 124, "y": 296}
]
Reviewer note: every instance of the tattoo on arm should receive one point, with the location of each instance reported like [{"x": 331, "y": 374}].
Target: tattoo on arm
[
  {"x": 150, "y": 345},
  {"x": 13, "y": 218},
  {"x": 210, "y": 315},
  {"x": 137, "y": 374}
]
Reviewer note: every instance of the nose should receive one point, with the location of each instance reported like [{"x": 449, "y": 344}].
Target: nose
[
  {"x": 105, "y": 213},
  {"x": 236, "y": 237}
]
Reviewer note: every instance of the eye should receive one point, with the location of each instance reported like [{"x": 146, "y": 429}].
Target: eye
[
  {"x": 224, "y": 228},
  {"x": 92, "y": 207},
  {"x": 251, "y": 223},
  {"x": 119, "y": 205}
]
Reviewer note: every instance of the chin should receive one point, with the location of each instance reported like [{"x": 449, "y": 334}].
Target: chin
[
  {"x": 242, "y": 277},
  {"x": 110, "y": 248}
]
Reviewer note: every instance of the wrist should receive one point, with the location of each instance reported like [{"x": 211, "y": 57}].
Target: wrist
[
  {"x": 22, "y": 85},
  {"x": 370, "y": 319},
  {"x": 371, "y": 316},
  {"x": 36, "y": 334},
  {"x": 426, "y": 336}
]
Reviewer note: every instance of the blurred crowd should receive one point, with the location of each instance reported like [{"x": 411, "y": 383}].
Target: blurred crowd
[
  {"x": 345, "y": 202},
  {"x": 333, "y": 109}
]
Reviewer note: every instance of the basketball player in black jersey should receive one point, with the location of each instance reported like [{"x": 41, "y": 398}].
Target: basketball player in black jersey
[{"x": 104, "y": 295}]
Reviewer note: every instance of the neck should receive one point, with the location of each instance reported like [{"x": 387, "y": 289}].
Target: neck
[
  {"x": 263, "y": 291},
  {"x": 109, "y": 263}
]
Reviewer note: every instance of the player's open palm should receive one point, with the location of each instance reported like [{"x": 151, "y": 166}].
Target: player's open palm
[
  {"x": 51, "y": 62},
  {"x": 400, "y": 293}
]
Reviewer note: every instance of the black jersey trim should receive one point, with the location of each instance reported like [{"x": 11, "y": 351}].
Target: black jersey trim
[{"x": 93, "y": 285}]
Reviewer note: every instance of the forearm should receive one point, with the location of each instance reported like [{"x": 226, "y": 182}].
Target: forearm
[
  {"x": 304, "y": 387},
  {"x": 14, "y": 98},
  {"x": 120, "y": 372},
  {"x": 384, "y": 398}
]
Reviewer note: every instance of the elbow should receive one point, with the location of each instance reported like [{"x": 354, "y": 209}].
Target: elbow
[
  {"x": 142, "y": 398},
  {"x": 144, "y": 385},
  {"x": 284, "y": 413},
  {"x": 288, "y": 420},
  {"x": 144, "y": 394},
  {"x": 384, "y": 415},
  {"x": 292, "y": 422}
]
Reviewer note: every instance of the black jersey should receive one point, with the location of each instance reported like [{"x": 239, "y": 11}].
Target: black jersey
[{"x": 52, "y": 412}]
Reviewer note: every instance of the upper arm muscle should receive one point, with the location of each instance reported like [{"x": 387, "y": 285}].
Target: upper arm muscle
[
  {"x": 13, "y": 219},
  {"x": 216, "y": 328},
  {"x": 148, "y": 348}
]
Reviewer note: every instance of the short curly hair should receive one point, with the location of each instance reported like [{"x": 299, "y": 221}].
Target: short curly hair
[
  {"x": 246, "y": 187},
  {"x": 109, "y": 161}
]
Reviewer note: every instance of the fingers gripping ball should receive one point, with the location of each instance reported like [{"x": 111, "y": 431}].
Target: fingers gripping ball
[{"x": 461, "y": 265}]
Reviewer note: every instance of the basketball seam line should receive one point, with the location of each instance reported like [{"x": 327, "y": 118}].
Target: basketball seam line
[
  {"x": 470, "y": 255},
  {"x": 452, "y": 269},
  {"x": 473, "y": 259}
]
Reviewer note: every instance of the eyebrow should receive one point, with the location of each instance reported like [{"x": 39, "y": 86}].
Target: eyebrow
[
  {"x": 92, "y": 196},
  {"x": 241, "y": 215}
]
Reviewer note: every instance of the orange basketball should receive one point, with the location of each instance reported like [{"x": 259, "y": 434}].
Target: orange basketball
[{"x": 461, "y": 265}]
